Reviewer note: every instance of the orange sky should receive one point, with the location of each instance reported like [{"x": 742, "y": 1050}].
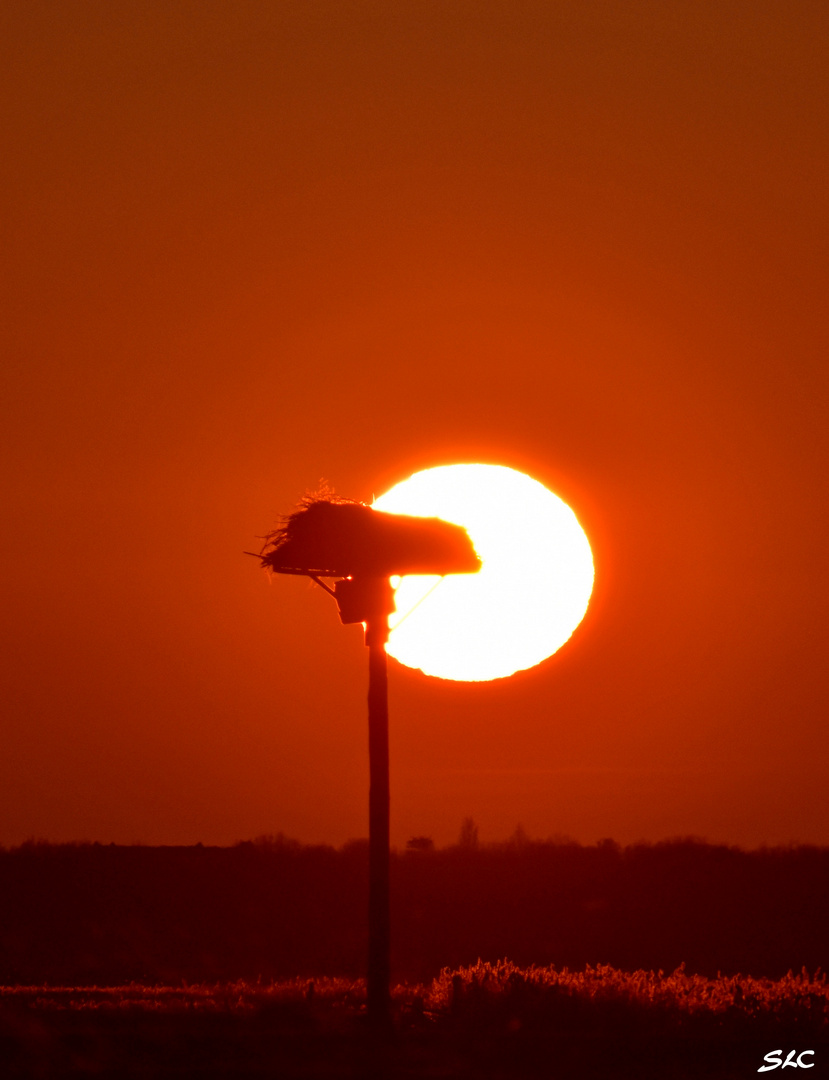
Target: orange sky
[{"x": 253, "y": 244}]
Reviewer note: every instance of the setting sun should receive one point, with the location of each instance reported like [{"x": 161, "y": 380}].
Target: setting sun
[{"x": 530, "y": 594}]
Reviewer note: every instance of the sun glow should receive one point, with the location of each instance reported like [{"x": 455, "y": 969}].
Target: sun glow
[{"x": 530, "y": 594}]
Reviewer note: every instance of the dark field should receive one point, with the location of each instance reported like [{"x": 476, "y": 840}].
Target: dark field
[
  {"x": 487, "y": 1020},
  {"x": 246, "y": 961},
  {"x": 90, "y": 914}
]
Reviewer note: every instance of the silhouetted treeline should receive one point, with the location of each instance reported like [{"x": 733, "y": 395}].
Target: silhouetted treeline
[{"x": 75, "y": 914}]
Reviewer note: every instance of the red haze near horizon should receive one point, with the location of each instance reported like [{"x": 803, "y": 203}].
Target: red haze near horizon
[{"x": 253, "y": 245}]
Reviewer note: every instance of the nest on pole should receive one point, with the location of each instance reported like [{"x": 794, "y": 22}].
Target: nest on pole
[{"x": 329, "y": 536}]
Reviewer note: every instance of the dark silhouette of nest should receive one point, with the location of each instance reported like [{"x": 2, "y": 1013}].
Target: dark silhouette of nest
[{"x": 329, "y": 536}]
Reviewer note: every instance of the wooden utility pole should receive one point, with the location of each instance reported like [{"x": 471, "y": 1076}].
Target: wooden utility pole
[
  {"x": 379, "y": 908},
  {"x": 370, "y": 600},
  {"x": 329, "y": 537}
]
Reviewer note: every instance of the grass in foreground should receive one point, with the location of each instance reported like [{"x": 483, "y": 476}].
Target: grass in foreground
[
  {"x": 486, "y": 1020},
  {"x": 482, "y": 992}
]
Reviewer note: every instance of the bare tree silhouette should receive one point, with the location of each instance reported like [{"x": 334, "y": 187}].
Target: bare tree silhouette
[{"x": 468, "y": 838}]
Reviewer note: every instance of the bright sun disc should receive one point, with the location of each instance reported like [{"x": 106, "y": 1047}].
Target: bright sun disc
[{"x": 529, "y": 595}]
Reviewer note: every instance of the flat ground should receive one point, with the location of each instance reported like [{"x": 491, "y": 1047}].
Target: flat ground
[{"x": 487, "y": 1021}]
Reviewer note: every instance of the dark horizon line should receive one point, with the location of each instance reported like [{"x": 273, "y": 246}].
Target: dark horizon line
[{"x": 282, "y": 842}]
